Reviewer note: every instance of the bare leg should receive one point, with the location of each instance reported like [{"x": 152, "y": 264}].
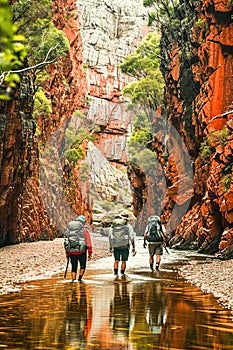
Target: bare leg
[
  {"x": 81, "y": 273},
  {"x": 123, "y": 267},
  {"x": 115, "y": 266},
  {"x": 158, "y": 260},
  {"x": 151, "y": 261},
  {"x": 73, "y": 275}
]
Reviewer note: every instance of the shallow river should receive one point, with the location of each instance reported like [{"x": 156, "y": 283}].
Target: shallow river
[{"x": 147, "y": 310}]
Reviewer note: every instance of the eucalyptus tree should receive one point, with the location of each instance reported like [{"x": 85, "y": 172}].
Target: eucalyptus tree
[{"x": 31, "y": 37}]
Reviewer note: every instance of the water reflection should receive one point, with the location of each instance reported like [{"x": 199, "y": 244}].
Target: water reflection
[
  {"x": 78, "y": 319},
  {"x": 145, "y": 311}
]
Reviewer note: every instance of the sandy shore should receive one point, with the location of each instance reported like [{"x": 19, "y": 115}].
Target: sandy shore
[{"x": 28, "y": 261}]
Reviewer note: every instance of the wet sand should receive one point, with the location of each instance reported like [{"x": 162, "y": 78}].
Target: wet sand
[
  {"x": 25, "y": 262},
  {"x": 29, "y": 261}
]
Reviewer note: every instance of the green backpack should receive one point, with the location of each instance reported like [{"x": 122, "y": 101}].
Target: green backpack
[{"x": 155, "y": 232}]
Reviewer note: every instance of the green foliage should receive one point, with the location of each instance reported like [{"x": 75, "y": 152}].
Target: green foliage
[
  {"x": 74, "y": 154},
  {"x": 145, "y": 59},
  {"x": 74, "y": 139},
  {"x": 44, "y": 40},
  {"x": 226, "y": 181},
  {"x": 12, "y": 50},
  {"x": 147, "y": 91},
  {"x": 164, "y": 12},
  {"x": 79, "y": 114},
  {"x": 42, "y": 105},
  {"x": 215, "y": 137},
  {"x": 145, "y": 158},
  {"x": 219, "y": 136},
  {"x": 107, "y": 205},
  {"x": 205, "y": 150},
  {"x": 200, "y": 22}
]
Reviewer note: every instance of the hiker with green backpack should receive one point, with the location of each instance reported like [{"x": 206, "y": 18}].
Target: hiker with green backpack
[
  {"x": 155, "y": 236},
  {"x": 77, "y": 243},
  {"x": 121, "y": 235}
]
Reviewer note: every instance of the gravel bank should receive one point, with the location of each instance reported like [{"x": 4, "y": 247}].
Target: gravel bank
[
  {"x": 28, "y": 261},
  {"x": 215, "y": 277}
]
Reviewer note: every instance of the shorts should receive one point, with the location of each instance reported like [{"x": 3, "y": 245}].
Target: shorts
[
  {"x": 155, "y": 249},
  {"x": 74, "y": 258},
  {"x": 121, "y": 254}
]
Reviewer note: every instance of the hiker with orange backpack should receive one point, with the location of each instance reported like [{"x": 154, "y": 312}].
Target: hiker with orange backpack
[{"x": 77, "y": 243}]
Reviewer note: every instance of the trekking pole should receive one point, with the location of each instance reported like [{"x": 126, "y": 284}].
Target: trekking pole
[
  {"x": 67, "y": 264},
  {"x": 166, "y": 250}
]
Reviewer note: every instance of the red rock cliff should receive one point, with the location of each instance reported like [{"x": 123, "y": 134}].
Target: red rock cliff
[
  {"x": 199, "y": 90},
  {"x": 22, "y": 210}
]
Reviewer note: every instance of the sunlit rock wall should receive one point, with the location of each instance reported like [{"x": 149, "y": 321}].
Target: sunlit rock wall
[
  {"x": 199, "y": 89},
  {"x": 110, "y": 32}
]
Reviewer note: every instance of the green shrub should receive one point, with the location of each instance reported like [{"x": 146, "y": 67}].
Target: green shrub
[
  {"x": 205, "y": 150},
  {"x": 226, "y": 181}
]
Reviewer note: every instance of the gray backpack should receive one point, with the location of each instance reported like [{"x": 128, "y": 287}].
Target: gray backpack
[
  {"x": 74, "y": 240},
  {"x": 119, "y": 237}
]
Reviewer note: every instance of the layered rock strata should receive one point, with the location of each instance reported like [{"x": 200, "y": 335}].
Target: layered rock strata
[{"x": 198, "y": 78}]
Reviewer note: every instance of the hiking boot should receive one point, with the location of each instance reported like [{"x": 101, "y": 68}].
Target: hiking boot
[
  {"x": 157, "y": 267},
  {"x": 151, "y": 267}
]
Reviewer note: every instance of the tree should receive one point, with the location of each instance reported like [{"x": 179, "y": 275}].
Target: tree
[
  {"x": 147, "y": 90},
  {"x": 12, "y": 51},
  {"x": 44, "y": 43}
]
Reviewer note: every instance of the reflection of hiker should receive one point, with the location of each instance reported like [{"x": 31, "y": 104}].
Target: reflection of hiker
[
  {"x": 156, "y": 307},
  {"x": 78, "y": 316},
  {"x": 77, "y": 242},
  {"x": 120, "y": 309},
  {"x": 155, "y": 236},
  {"x": 121, "y": 234}
]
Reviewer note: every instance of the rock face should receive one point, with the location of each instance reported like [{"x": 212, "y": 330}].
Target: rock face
[
  {"x": 110, "y": 31},
  {"x": 25, "y": 210},
  {"x": 199, "y": 89},
  {"x": 22, "y": 214}
]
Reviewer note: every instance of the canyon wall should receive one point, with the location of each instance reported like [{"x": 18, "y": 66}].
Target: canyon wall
[
  {"x": 198, "y": 75},
  {"x": 110, "y": 31},
  {"x": 32, "y": 205},
  {"x": 23, "y": 214}
]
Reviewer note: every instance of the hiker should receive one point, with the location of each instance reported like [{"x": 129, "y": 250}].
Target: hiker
[
  {"x": 155, "y": 236},
  {"x": 77, "y": 243},
  {"x": 120, "y": 236}
]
